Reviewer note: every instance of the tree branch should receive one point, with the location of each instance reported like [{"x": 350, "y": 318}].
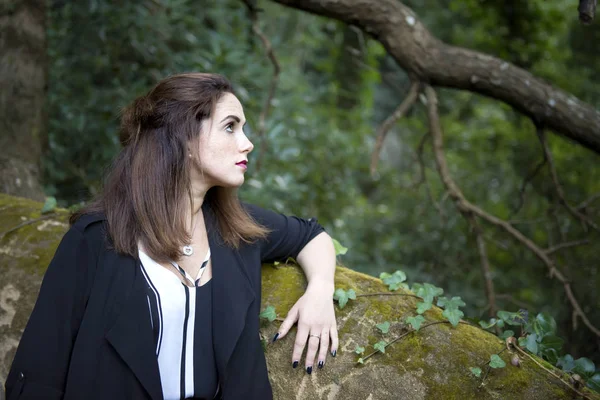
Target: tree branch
[
  {"x": 564, "y": 245},
  {"x": 406, "y": 104},
  {"x": 587, "y": 11},
  {"x": 485, "y": 265},
  {"x": 252, "y": 11},
  {"x": 557, "y": 186},
  {"x": 528, "y": 179},
  {"x": 429, "y": 60},
  {"x": 464, "y": 206}
]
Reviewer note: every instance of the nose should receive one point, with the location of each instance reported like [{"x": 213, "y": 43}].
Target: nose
[{"x": 246, "y": 145}]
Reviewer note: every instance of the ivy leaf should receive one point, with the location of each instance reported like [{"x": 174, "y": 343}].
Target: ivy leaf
[
  {"x": 496, "y": 361},
  {"x": 522, "y": 342},
  {"x": 453, "y": 315},
  {"x": 427, "y": 291},
  {"x": 552, "y": 342},
  {"x": 342, "y": 296},
  {"x": 50, "y": 205},
  {"x": 359, "y": 350},
  {"x": 488, "y": 325},
  {"x": 269, "y": 313},
  {"x": 476, "y": 371},
  {"x": 584, "y": 367},
  {"x": 360, "y": 361},
  {"x": 384, "y": 327},
  {"x": 454, "y": 303},
  {"x": 380, "y": 346},
  {"x": 511, "y": 318},
  {"x": 415, "y": 322},
  {"x": 506, "y": 334},
  {"x": 422, "y": 307},
  {"x": 566, "y": 362},
  {"x": 339, "y": 249},
  {"x": 531, "y": 343},
  {"x": 594, "y": 382},
  {"x": 394, "y": 281},
  {"x": 542, "y": 325}
]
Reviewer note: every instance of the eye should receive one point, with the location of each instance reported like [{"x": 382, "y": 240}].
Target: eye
[{"x": 229, "y": 127}]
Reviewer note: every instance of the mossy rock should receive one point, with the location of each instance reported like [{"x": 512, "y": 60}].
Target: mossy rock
[{"x": 430, "y": 364}]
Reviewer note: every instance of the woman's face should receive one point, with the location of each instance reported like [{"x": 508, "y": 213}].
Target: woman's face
[{"x": 223, "y": 146}]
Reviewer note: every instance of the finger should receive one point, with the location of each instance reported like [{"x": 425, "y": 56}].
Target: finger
[
  {"x": 323, "y": 347},
  {"x": 311, "y": 352},
  {"x": 287, "y": 324},
  {"x": 299, "y": 343},
  {"x": 333, "y": 333}
]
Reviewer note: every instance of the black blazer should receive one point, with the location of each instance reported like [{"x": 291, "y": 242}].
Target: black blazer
[{"x": 89, "y": 335}]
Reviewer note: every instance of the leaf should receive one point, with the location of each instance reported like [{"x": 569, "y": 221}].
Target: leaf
[
  {"x": 594, "y": 382},
  {"x": 511, "y": 318},
  {"x": 342, "y": 296},
  {"x": 522, "y": 342},
  {"x": 360, "y": 361},
  {"x": 422, "y": 307},
  {"x": 415, "y": 322},
  {"x": 496, "y": 361},
  {"x": 476, "y": 371},
  {"x": 359, "y": 350},
  {"x": 428, "y": 291},
  {"x": 269, "y": 313},
  {"x": 394, "y": 281},
  {"x": 453, "y": 315},
  {"x": 584, "y": 367},
  {"x": 380, "y": 346},
  {"x": 506, "y": 334},
  {"x": 339, "y": 249},
  {"x": 531, "y": 343},
  {"x": 542, "y": 325},
  {"x": 384, "y": 327},
  {"x": 552, "y": 342},
  {"x": 50, "y": 205},
  {"x": 454, "y": 303},
  {"x": 488, "y": 325},
  {"x": 566, "y": 363}
]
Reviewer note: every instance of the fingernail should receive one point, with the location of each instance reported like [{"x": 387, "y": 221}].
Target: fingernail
[
  {"x": 309, "y": 370},
  {"x": 294, "y": 364},
  {"x": 333, "y": 353},
  {"x": 321, "y": 363},
  {"x": 275, "y": 337}
]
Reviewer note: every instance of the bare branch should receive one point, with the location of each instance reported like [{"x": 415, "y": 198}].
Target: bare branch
[
  {"x": 589, "y": 201},
  {"x": 528, "y": 179},
  {"x": 557, "y": 186},
  {"x": 466, "y": 207},
  {"x": 485, "y": 264},
  {"x": 391, "y": 120},
  {"x": 252, "y": 11},
  {"x": 587, "y": 11},
  {"x": 564, "y": 245}
]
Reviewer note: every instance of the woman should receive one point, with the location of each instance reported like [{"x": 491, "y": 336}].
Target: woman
[{"x": 154, "y": 292}]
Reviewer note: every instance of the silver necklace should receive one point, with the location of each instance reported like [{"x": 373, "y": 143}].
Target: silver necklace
[{"x": 188, "y": 250}]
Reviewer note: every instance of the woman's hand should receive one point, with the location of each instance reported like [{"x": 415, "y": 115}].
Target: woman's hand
[{"x": 315, "y": 315}]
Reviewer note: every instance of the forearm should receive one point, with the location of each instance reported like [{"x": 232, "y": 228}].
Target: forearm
[{"x": 317, "y": 260}]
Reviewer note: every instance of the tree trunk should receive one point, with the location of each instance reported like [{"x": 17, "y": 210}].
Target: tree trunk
[
  {"x": 427, "y": 59},
  {"x": 23, "y": 83},
  {"x": 432, "y": 363}
]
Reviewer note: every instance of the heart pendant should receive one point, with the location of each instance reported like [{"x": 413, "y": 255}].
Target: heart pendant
[{"x": 187, "y": 250}]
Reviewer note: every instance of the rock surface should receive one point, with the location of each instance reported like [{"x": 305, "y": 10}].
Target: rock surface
[{"x": 430, "y": 364}]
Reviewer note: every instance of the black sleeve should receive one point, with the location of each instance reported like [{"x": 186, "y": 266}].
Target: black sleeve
[
  {"x": 288, "y": 235},
  {"x": 41, "y": 362}
]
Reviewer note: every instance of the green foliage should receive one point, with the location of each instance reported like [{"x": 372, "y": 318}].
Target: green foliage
[
  {"x": 342, "y": 296},
  {"x": 476, "y": 371},
  {"x": 359, "y": 350},
  {"x": 339, "y": 249},
  {"x": 415, "y": 322},
  {"x": 427, "y": 291},
  {"x": 496, "y": 361},
  {"x": 451, "y": 309},
  {"x": 269, "y": 314},
  {"x": 380, "y": 346},
  {"x": 49, "y": 205},
  {"x": 384, "y": 327},
  {"x": 394, "y": 281}
]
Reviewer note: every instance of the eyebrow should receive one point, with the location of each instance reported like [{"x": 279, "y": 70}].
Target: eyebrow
[{"x": 234, "y": 117}]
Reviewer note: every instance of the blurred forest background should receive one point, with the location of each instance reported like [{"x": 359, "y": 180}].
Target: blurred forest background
[{"x": 335, "y": 88}]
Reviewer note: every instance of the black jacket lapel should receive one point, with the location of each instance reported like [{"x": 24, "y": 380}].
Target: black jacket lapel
[
  {"x": 131, "y": 336},
  {"x": 232, "y": 294}
]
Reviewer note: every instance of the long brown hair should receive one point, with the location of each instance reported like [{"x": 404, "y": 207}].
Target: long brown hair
[{"x": 144, "y": 195}]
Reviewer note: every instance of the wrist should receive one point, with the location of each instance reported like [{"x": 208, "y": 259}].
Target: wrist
[{"x": 322, "y": 285}]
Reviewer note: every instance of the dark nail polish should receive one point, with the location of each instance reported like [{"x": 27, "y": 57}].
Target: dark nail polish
[
  {"x": 309, "y": 370},
  {"x": 321, "y": 363},
  {"x": 333, "y": 353},
  {"x": 294, "y": 364},
  {"x": 275, "y": 337}
]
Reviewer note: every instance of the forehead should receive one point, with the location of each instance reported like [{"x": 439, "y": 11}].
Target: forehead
[{"x": 228, "y": 104}]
